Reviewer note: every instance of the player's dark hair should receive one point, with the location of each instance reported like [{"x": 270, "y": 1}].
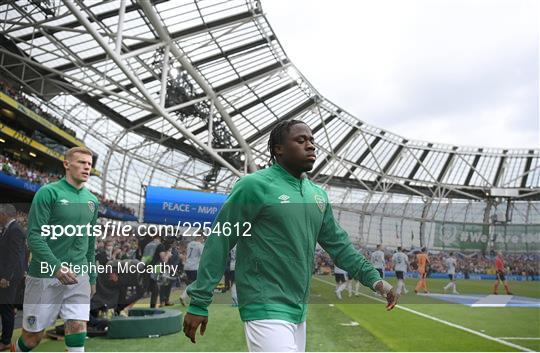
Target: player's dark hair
[
  {"x": 399, "y": 248},
  {"x": 451, "y": 253},
  {"x": 278, "y": 134},
  {"x": 424, "y": 249}
]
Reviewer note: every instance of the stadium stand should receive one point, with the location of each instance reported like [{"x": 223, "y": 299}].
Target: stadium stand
[{"x": 197, "y": 115}]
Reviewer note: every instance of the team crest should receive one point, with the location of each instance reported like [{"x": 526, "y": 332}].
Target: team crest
[
  {"x": 320, "y": 203},
  {"x": 31, "y": 321},
  {"x": 91, "y": 206}
]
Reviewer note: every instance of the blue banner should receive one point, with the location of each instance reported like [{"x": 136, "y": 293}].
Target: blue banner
[
  {"x": 18, "y": 183},
  {"x": 171, "y": 206}
]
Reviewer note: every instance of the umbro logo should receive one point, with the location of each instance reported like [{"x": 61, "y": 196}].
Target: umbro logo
[
  {"x": 284, "y": 198},
  {"x": 64, "y": 202}
]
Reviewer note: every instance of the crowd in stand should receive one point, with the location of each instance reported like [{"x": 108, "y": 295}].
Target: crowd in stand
[
  {"x": 113, "y": 205},
  {"x": 476, "y": 262},
  {"x": 21, "y": 98},
  {"x": 467, "y": 263},
  {"x": 18, "y": 169}
]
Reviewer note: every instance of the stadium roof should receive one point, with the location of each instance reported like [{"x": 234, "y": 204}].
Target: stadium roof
[{"x": 143, "y": 82}]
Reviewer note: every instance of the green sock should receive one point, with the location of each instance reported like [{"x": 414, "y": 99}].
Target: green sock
[
  {"x": 75, "y": 342},
  {"x": 21, "y": 346}
]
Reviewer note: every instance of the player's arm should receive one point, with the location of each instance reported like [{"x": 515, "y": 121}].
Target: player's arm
[
  {"x": 38, "y": 217},
  {"x": 242, "y": 205},
  {"x": 91, "y": 253},
  {"x": 407, "y": 262},
  {"x": 336, "y": 242}
]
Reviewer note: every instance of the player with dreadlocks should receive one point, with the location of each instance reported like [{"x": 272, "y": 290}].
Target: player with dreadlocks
[{"x": 286, "y": 215}]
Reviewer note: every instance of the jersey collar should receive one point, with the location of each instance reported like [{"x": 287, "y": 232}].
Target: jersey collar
[
  {"x": 73, "y": 188},
  {"x": 291, "y": 179}
]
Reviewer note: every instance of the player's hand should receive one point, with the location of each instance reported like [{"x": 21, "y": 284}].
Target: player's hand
[
  {"x": 65, "y": 276},
  {"x": 4, "y": 283},
  {"x": 385, "y": 289},
  {"x": 191, "y": 324},
  {"x": 92, "y": 290},
  {"x": 391, "y": 300}
]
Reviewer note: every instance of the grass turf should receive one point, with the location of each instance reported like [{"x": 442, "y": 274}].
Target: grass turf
[{"x": 378, "y": 330}]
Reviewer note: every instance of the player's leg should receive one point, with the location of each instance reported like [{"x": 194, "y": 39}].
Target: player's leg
[
  {"x": 27, "y": 341},
  {"x": 75, "y": 310},
  {"x": 505, "y": 283},
  {"x": 404, "y": 288},
  {"x": 234, "y": 295},
  {"x": 422, "y": 283},
  {"x": 75, "y": 336},
  {"x": 449, "y": 284},
  {"x": 426, "y": 290},
  {"x": 41, "y": 305},
  {"x": 454, "y": 288},
  {"x": 419, "y": 283},
  {"x": 349, "y": 286},
  {"x": 399, "y": 286},
  {"x": 340, "y": 284},
  {"x": 273, "y": 336},
  {"x": 496, "y": 285},
  {"x": 356, "y": 287}
]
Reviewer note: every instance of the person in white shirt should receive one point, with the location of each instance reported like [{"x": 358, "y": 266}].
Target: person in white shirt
[
  {"x": 377, "y": 259},
  {"x": 232, "y": 267},
  {"x": 450, "y": 263},
  {"x": 401, "y": 265},
  {"x": 194, "y": 251},
  {"x": 341, "y": 280}
]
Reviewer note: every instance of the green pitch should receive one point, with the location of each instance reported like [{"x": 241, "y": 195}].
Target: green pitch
[{"x": 362, "y": 324}]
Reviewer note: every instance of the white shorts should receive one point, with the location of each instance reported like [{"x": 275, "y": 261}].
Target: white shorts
[
  {"x": 46, "y": 298},
  {"x": 275, "y": 336}
]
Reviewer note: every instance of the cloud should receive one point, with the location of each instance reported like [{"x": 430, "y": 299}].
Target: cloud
[{"x": 458, "y": 72}]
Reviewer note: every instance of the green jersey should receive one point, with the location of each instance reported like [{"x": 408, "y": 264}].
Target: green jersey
[
  {"x": 286, "y": 217},
  {"x": 61, "y": 204}
]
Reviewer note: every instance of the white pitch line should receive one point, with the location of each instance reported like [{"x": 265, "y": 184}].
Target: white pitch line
[
  {"x": 520, "y": 338},
  {"x": 459, "y": 327}
]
